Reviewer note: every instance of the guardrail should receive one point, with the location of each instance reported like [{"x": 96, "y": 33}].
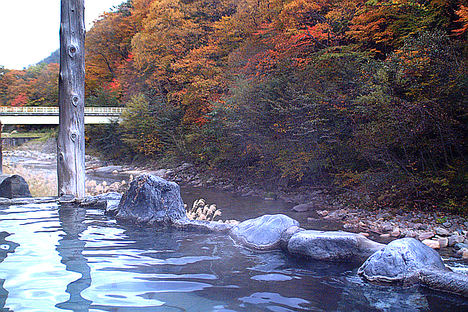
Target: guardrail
[{"x": 41, "y": 110}]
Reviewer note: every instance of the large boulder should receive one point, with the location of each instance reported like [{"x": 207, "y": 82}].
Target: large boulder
[
  {"x": 408, "y": 261},
  {"x": 13, "y": 186},
  {"x": 331, "y": 246},
  {"x": 151, "y": 199},
  {"x": 263, "y": 232},
  {"x": 401, "y": 261}
]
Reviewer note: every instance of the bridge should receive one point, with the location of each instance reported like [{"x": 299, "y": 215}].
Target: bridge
[{"x": 36, "y": 115}]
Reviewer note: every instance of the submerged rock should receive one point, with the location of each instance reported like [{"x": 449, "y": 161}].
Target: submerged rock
[
  {"x": 445, "y": 280},
  {"x": 401, "y": 261},
  {"x": 303, "y": 207},
  {"x": 151, "y": 199},
  {"x": 263, "y": 232},
  {"x": 332, "y": 246},
  {"x": 203, "y": 226},
  {"x": 409, "y": 261},
  {"x": 13, "y": 186}
]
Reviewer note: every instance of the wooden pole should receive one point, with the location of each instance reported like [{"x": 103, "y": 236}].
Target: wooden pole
[
  {"x": 70, "y": 140},
  {"x": 1, "y": 149}
]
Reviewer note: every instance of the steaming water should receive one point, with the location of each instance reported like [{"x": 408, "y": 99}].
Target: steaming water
[{"x": 56, "y": 258}]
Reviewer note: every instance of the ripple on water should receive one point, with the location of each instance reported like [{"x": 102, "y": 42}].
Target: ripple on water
[{"x": 80, "y": 260}]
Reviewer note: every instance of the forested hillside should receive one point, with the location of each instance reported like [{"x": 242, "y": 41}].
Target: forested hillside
[{"x": 368, "y": 97}]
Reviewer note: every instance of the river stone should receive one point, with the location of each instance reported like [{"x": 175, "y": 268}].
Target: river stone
[
  {"x": 434, "y": 244},
  {"x": 13, "y": 186},
  {"x": 332, "y": 246},
  {"x": 401, "y": 261},
  {"x": 263, "y": 232},
  {"x": 203, "y": 226},
  {"x": 445, "y": 280},
  {"x": 303, "y": 207},
  {"x": 151, "y": 199},
  {"x": 442, "y": 232}
]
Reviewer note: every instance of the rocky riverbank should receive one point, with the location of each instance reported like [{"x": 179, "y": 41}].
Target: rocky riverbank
[{"x": 446, "y": 233}]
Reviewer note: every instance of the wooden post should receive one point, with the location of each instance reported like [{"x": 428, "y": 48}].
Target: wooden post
[
  {"x": 70, "y": 140},
  {"x": 1, "y": 149}
]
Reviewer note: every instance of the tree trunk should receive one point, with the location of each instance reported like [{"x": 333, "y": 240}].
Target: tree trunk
[{"x": 71, "y": 141}]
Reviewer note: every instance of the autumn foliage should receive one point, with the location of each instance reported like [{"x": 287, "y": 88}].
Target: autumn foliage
[{"x": 367, "y": 95}]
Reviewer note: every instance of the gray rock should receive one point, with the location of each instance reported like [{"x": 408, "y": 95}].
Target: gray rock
[
  {"x": 386, "y": 227},
  {"x": 445, "y": 280},
  {"x": 13, "y": 186},
  {"x": 443, "y": 242},
  {"x": 333, "y": 246},
  {"x": 203, "y": 226},
  {"x": 401, "y": 261},
  {"x": 263, "y": 232},
  {"x": 151, "y": 199},
  {"x": 108, "y": 169},
  {"x": 459, "y": 246},
  {"x": 108, "y": 201},
  {"x": 454, "y": 239},
  {"x": 442, "y": 232},
  {"x": 286, "y": 236},
  {"x": 426, "y": 235},
  {"x": 447, "y": 224},
  {"x": 303, "y": 207},
  {"x": 112, "y": 206}
]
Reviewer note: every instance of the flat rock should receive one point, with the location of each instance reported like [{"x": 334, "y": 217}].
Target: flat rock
[
  {"x": 443, "y": 242},
  {"x": 203, "y": 226},
  {"x": 442, "y": 232},
  {"x": 303, "y": 207},
  {"x": 263, "y": 232},
  {"x": 401, "y": 261},
  {"x": 332, "y": 246},
  {"x": 13, "y": 186},
  {"x": 108, "y": 169},
  {"x": 425, "y": 235},
  {"x": 151, "y": 199},
  {"x": 445, "y": 280},
  {"x": 434, "y": 244}
]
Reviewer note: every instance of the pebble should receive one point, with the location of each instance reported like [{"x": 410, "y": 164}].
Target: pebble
[
  {"x": 447, "y": 224},
  {"x": 384, "y": 235},
  {"x": 459, "y": 246},
  {"x": 454, "y": 239},
  {"x": 442, "y": 232},
  {"x": 364, "y": 234},
  {"x": 386, "y": 227},
  {"x": 425, "y": 235},
  {"x": 431, "y": 243},
  {"x": 322, "y": 213},
  {"x": 443, "y": 242},
  {"x": 463, "y": 253},
  {"x": 396, "y": 232}
]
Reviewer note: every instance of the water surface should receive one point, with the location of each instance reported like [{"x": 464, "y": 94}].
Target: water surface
[{"x": 56, "y": 258}]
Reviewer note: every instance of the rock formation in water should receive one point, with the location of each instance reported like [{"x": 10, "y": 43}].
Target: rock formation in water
[
  {"x": 151, "y": 199},
  {"x": 331, "y": 246},
  {"x": 263, "y": 232},
  {"x": 408, "y": 261},
  {"x": 154, "y": 200},
  {"x": 13, "y": 186}
]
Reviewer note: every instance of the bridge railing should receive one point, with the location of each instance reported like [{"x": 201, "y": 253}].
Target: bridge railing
[{"x": 52, "y": 110}]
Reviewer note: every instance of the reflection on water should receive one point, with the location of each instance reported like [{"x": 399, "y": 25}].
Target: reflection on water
[
  {"x": 70, "y": 249},
  {"x": 63, "y": 258}
]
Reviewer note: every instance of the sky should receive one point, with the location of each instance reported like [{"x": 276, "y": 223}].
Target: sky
[{"x": 29, "y": 29}]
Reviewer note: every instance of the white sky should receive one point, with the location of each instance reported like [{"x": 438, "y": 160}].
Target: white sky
[{"x": 29, "y": 29}]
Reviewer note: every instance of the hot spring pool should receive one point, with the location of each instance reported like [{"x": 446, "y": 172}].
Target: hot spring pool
[{"x": 56, "y": 258}]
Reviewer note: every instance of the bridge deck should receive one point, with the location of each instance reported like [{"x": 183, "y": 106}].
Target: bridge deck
[{"x": 36, "y": 115}]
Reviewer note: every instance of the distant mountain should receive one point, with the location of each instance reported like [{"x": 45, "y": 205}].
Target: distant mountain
[{"x": 54, "y": 57}]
